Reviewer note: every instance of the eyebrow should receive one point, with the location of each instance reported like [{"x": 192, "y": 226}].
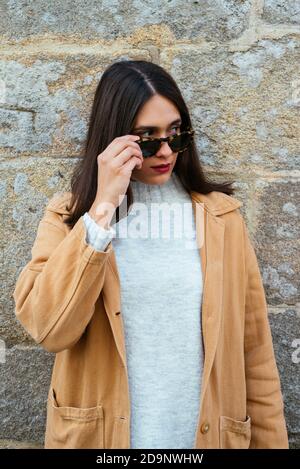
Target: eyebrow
[{"x": 148, "y": 127}]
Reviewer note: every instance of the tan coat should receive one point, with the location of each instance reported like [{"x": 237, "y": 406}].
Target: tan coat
[{"x": 68, "y": 299}]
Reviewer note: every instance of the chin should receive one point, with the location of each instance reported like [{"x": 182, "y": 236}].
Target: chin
[{"x": 159, "y": 178}]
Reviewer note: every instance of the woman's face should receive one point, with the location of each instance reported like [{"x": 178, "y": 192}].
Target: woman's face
[{"x": 161, "y": 114}]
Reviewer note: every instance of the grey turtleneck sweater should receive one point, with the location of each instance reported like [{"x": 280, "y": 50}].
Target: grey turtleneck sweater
[{"x": 161, "y": 297}]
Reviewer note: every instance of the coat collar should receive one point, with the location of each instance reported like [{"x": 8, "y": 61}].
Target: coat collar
[
  {"x": 58, "y": 203},
  {"x": 216, "y": 203}
]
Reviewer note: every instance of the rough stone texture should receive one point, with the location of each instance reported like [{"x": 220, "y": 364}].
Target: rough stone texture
[
  {"x": 15, "y": 444},
  {"x": 237, "y": 65},
  {"x": 25, "y": 378},
  {"x": 242, "y": 104},
  {"x": 279, "y": 11},
  {"x": 278, "y": 240},
  {"x": 285, "y": 325},
  {"x": 110, "y": 19}
]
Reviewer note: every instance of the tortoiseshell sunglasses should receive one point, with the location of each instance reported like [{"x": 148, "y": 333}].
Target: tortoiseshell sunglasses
[{"x": 177, "y": 142}]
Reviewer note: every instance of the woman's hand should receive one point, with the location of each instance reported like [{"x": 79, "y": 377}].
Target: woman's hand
[{"x": 115, "y": 165}]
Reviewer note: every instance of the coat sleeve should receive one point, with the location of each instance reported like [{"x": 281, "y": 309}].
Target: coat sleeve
[
  {"x": 97, "y": 236},
  {"x": 56, "y": 292},
  {"x": 264, "y": 397}
]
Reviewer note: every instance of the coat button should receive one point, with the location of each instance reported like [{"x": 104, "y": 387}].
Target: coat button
[{"x": 205, "y": 427}]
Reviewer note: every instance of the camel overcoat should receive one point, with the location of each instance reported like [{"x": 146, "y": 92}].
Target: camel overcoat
[{"x": 67, "y": 298}]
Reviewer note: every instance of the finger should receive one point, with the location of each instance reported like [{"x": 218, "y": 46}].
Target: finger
[
  {"x": 131, "y": 145},
  {"x": 130, "y": 165},
  {"x": 134, "y": 137},
  {"x": 117, "y": 145},
  {"x": 125, "y": 155}
]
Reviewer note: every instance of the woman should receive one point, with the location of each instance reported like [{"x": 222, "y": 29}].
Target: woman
[{"x": 160, "y": 343}]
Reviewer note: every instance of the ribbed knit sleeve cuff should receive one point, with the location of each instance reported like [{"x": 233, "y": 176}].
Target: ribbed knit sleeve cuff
[{"x": 98, "y": 237}]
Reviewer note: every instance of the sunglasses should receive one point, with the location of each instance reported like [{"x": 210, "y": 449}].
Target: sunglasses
[{"x": 177, "y": 142}]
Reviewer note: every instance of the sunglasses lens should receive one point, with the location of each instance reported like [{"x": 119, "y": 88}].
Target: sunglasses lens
[
  {"x": 149, "y": 148},
  {"x": 180, "y": 142}
]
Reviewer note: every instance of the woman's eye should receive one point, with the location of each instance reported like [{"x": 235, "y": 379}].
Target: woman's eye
[{"x": 151, "y": 131}]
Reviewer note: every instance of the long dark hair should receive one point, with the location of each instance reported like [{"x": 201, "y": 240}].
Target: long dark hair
[{"x": 123, "y": 89}]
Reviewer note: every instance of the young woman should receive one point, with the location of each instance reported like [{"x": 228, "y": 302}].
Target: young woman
[{"x": 160, "y": 341}]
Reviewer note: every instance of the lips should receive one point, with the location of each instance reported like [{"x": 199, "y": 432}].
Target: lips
[{"x": 161, "y": 166}]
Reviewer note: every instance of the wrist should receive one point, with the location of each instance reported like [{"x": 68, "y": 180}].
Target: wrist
[{"x": 102, "y": 213}]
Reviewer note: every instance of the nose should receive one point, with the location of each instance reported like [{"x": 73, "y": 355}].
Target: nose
[{"x": 164, "y": 150}]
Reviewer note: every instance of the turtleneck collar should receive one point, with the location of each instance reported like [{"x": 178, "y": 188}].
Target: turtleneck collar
[{"x": 170, "y": 191}]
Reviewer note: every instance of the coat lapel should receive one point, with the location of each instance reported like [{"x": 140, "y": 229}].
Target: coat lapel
[
  {"x": 212, "y": 254},
  {"x": 212, "y": 262},
  {"x": 112, "y": 303}
]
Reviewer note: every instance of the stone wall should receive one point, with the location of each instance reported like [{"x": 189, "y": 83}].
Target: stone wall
[{"x": 237, "y": 64}]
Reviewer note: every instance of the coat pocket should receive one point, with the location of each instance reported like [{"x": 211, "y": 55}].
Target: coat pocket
[
  {"x": 235, "y": 434},
  {"x": 73, "y": 427}
]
